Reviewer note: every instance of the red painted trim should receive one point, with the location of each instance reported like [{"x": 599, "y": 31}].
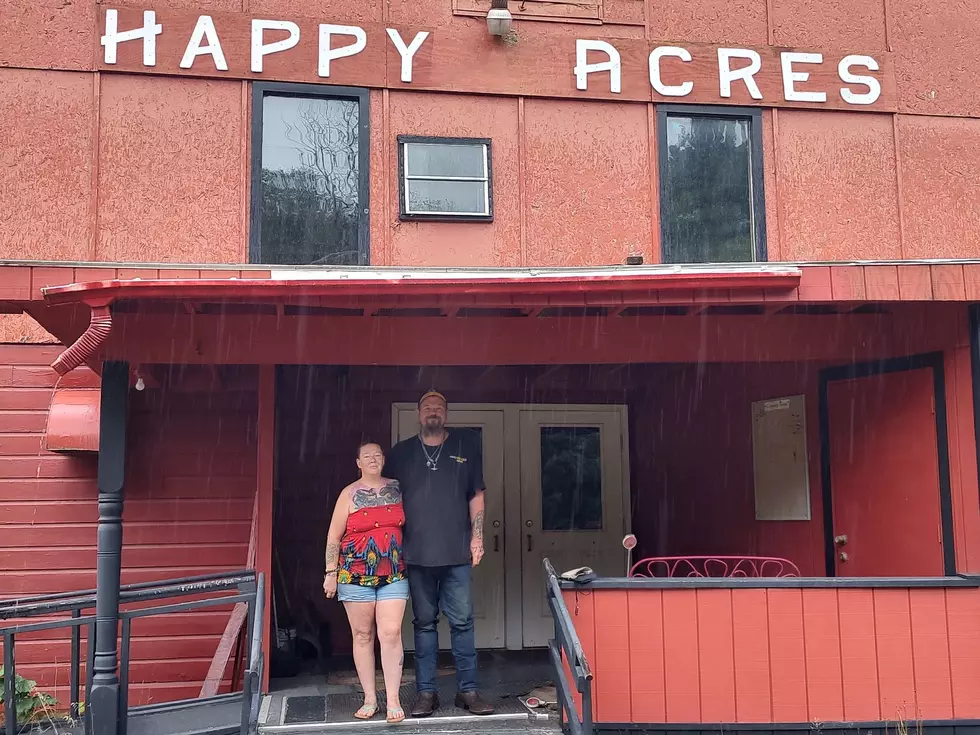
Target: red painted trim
[
  {"x": 265, "y": 478},
  {"x": 237, "y": 290}
]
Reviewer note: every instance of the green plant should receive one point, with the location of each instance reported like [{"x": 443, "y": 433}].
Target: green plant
[{"x": 30, "y": 703}]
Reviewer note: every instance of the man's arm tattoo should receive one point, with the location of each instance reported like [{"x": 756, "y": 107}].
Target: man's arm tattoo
[{"x": 478, "y": 525}]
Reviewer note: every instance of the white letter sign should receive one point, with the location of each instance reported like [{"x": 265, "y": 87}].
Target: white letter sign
[
  {"x": 328, "y": 54},
  {"x": 149, "y": 32},
  {"x": 583, "y": 68},
  {"x": 668, "y": 90},
  {"x": 727, "y": 75},
  {"x": 790, "y": 77},
  {"x": 204, "y": 29},
  {"x": 873, "y": 85},
  {"x": 261, "y": 49},
  {"x": 407, "y": 52}
]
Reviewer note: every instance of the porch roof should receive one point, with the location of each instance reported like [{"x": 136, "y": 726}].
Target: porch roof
[{"x": 72, "y": 300}]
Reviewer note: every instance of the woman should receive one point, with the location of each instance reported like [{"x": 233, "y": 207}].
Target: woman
[{"x": 365, "y": 571}]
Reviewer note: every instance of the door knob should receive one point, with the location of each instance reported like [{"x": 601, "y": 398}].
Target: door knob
[
  {"x": 843, "y": 556},
  {"x": 841, "y": 540}
]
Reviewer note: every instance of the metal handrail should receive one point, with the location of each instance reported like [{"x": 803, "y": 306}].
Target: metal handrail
[
  {"x": 25, "y": 607},
  {"x": 248, "y": 589},
  {"x": 252, "y": 679},
  {"x": 566, "y": 647}
]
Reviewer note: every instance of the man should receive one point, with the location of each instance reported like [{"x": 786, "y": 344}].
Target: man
[{"x": 441, "y": 476}]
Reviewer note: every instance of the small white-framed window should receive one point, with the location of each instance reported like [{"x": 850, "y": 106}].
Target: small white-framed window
[{"x": 445, "y": 178}]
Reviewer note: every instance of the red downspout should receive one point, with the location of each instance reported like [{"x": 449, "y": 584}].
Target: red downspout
[{"x": 86, "y": 345}]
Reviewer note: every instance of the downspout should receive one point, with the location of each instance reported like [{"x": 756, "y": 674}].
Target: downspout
[{"x": 86, "y": 345}]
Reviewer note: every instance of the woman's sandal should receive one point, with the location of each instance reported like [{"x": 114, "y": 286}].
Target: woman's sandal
[
  {"x": 395, "y": 715},
  {"x": 366, "y": 712}
]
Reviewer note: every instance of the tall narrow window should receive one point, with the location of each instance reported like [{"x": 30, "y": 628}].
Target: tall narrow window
[
  {"x": 712, "y": 205},
  {"x": 309, "y": 175},
  {"x": 445, "y": 178}
]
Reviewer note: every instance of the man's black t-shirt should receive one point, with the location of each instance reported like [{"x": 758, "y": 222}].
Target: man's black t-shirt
[{"x": 437, "y": 502}]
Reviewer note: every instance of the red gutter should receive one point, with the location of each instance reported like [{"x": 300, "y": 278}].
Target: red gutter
[
  {"x": 88, "y": 344},
  {"x": 269, "y": 289}
]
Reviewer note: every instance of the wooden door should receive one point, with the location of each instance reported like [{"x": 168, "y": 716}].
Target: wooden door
[{"x": 884, "y": 475}]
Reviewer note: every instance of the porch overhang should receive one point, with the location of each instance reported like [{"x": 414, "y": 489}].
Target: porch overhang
[{"x": 215, "y": 313}]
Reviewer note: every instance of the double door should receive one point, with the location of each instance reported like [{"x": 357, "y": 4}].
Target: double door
[{"x": 556, "y": 479}]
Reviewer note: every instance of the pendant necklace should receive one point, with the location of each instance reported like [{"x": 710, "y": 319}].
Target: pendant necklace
[{"x": 432, "y": 460}]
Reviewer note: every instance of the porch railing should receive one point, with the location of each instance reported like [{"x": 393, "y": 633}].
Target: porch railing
[
  {"x": 245, "y": 587},
  {"x": 567, "y": 648}
]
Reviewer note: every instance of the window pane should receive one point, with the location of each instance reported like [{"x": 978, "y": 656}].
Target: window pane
[
  {"x": 571, "y": 479},
  {"x": 443, "y": 159},
  {"x": 707, "y": 193},
  {"x": 456, "y": 197},
  {"x": 310, "y": 209}
]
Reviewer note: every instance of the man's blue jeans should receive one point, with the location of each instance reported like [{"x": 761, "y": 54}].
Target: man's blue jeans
[{"x": 448, "y": 589}]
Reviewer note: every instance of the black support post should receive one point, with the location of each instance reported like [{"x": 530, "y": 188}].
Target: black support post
[{"x": 104, "y": 703}]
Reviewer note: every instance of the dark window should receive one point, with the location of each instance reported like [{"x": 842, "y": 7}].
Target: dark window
[
  {"x": 712, "y": 206},
  {"x": 571, "y": 478},
  {"x": 309, "y": 175},
  {"x": 445, "y": 178}
]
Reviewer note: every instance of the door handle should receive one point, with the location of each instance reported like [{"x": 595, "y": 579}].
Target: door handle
[
  {"x": 496, "y": 542},
  {"x": 843, "y": 556},
  {"x": 841, "y": 540},
  {"x": 529, "y": 542}
]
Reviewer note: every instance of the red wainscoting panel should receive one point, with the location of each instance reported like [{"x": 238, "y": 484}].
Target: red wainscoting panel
[
  {"x": 893, "y": 634},
  {"x": 781, "y": 655},
  {"x": 750, "y": 633},
  {"x": 821, "y": 640},
  {"x": 963, "y": 629},
  {"x": 858, "y": 655},
  {"x": 930, "y": 653},
  {"x": 681, "y": 656},
  {"x": 612, "y": 653},
  {"x": 787, "y": 656},
  {"x": 647, "y": 681},
  {"x": 716, "y": 655}
]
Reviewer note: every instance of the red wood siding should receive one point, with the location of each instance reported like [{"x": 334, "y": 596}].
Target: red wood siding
[
  {"x": 188, "y": 505},
  {"x": 781, "y": 655}
]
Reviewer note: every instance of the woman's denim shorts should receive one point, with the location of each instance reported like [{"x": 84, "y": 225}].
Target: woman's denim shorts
[{"x": 356, "y": 593}]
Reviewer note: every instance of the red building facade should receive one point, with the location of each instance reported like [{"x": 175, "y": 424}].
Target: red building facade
[{"x": 641, "y": 233}]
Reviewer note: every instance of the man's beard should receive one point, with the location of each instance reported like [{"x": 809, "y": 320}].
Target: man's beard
[{"x": 432, "y": 426}]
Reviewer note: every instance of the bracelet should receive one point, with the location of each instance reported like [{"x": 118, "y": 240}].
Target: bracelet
[{"x": 329, "y": 572}]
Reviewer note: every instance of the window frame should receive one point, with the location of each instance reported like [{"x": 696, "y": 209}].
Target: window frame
[
  {"x": 405, "y": 215},
  {"x": 316, "y": 91},
  {"x": 757, "y": 170}
]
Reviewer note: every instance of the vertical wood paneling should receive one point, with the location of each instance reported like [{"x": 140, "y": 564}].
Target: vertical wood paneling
[
  {"x": 750, "y": 623},
  {"x": 787, "y": 656},
  {"x": 823, "y": 665},
  {"x": 683, "y": 688},
  {"x": 647, "y": 685},
  {"x": 859, "y": 662},
  {"x": 930, "y": 655},
  {"x": 963, "y": 621},
  {"x": 893, "y": 635},
  {"x": 581, "y": 608},
  {"x": 716, "y": 655},
  {"x": 612, "y": 646}
]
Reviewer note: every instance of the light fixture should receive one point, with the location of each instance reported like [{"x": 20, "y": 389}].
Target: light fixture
[
  {"x": 140, "y": 385},
  {"x": 499, "y": 18}
]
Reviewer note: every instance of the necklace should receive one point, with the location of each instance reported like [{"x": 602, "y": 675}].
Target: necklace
[{"x": 432, "y": 460}]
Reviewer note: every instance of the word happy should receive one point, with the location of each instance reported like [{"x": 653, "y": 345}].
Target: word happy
[{"x": 204, "y": 41}]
